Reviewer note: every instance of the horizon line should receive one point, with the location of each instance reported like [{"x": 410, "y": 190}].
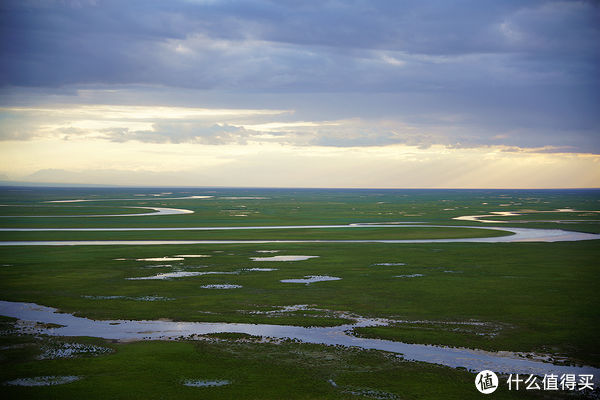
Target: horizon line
[{"x": 58, "y": 185}]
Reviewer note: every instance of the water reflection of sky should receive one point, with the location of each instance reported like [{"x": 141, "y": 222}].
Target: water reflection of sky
[{"x": 475, "y": 360}]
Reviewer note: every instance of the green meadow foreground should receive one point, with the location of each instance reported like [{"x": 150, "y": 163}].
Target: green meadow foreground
[{"x": 530, "y": 297}]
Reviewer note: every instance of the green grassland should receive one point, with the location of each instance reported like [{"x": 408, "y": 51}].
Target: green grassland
[
  {"x": 539, "y": 297},
  {"x": 298, "y": 206},
  {"x": 364, "y": 233},
  {"x": 15, "y": 211},
  {"x": 287, "y": 370}
]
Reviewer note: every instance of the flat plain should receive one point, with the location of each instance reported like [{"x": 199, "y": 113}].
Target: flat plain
[{"x": 535, "y": 298}]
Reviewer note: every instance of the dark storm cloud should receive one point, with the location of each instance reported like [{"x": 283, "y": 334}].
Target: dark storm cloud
[
  {"x": 59, "y": 42},
  {"x": 517, "y": 73}
]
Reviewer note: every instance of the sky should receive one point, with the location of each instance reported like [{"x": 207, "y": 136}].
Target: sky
[{"x": 289, "y": 93}]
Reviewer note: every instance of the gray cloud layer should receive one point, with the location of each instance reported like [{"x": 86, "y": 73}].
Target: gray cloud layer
[{"x": 488, "y": 72}]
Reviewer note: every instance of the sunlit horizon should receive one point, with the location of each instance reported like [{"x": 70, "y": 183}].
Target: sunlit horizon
[{"x": 424, "y": 100}]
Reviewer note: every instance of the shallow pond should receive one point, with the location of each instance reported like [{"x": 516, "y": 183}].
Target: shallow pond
[
  {"x": 312, "y": 279},
  {"x": 42, "y": 381},
  {"x": 259, "y": 269},
  {"x": 69, "y": 350},
  {"x": 390, "y": 264},
  {"x": 180, "y": 274},
  {"x": 221, "y": 286},
  {"x": 201, "y": 383},
  {"x": 167, "y": 275},
  {"x": 283, "y": 258}
]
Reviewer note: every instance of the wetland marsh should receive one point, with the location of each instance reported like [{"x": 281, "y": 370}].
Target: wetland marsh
[{"x": 535, "y": 296}]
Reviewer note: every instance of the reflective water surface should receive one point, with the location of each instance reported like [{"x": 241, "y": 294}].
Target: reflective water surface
[
  {"x": 221, "y": 286},
  {"x": 283, "y": 258},
  {"x": 390, "y": 264},
  {"x": 518, "y": 235},
  {"x": 475, "y": 360},
  {"x": 180, "y": 274},
  {"x": 157, "y": 211},
  {"x": 200, "y": 383},
  {"x": 167, "y": 275},
  {"x": 308, "y": 279},
  {"x": 176, "y": 258},
  {"x": 42, "y": 381}
]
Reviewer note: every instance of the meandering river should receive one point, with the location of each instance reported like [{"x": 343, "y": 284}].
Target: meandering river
[
  {"x": 474, "y": 360},
  {"x": 517, "y": 235}
]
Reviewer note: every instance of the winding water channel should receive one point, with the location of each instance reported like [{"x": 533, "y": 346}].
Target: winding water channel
[
  {"x": 474, "y": 360},
  {"x": 157, "y": 211},
  {"x": 517, "y": 235}
]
